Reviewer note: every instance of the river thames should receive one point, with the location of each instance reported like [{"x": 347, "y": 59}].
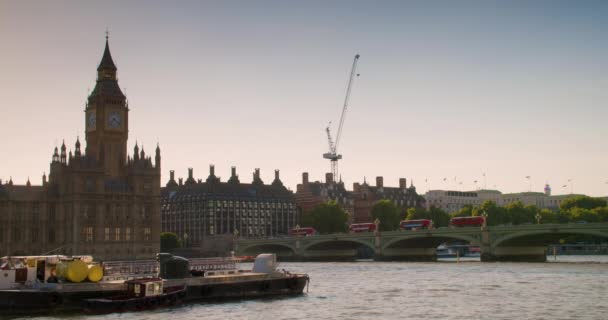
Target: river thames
[{"x": 573, "y": 287}]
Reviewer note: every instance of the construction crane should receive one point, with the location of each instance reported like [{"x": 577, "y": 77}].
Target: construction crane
[{"x": 333, "y": 155}]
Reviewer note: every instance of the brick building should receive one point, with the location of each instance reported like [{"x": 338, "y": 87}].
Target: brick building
[
  {"x": 366, "y": 196},
  {"x": 359, "y": 202},
  {"x": 311, "y": 194}
]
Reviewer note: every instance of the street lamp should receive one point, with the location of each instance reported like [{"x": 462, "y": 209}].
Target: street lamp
[
  {"x": 377, "y": 223},
  {"x": 236, "y": 233},
  {"x": 538, "y": 217},
  {"x": 185, "y": 239},
  {"x": 297, "y": 230},
  {"x": 485, "y": 220}
]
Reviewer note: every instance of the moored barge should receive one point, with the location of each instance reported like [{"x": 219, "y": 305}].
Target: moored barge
[
  {"x": 201, "y": 279},
  {"x": 140, "y": 294}
]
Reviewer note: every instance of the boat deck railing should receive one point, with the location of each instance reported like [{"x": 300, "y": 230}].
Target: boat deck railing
[
  {"x": 114, "y": 270},
  {"x": 207, "y": 264},
  {"x": 136, "y": 267}
]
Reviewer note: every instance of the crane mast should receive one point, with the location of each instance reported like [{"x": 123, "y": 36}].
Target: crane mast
[
  {"x": 330, "y": 141},
  {"x": 333, "y": 155}
]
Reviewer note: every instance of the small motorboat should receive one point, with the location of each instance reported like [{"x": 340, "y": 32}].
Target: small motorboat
[{"x": 140, "y": 294}]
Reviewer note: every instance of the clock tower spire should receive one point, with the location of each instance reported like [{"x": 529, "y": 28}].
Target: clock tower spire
[
  {"x": 106, "y": 119},
  {"x": 107, "y": 68}
]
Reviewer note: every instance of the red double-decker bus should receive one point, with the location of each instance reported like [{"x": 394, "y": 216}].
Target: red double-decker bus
[
  {"x": 467, "y": 222},
  {"x": 304, "y": 232},
  {"x": 362, "y": 227},
  {"x": 416, "y": 224}
]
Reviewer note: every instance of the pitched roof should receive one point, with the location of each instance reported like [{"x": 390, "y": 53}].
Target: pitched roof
[
  {"x": 107, "y": 87},
  {"x": 338, "y": 190},
  {"x": 106, "y": 60},
  {"x": 224, "y": 190}
]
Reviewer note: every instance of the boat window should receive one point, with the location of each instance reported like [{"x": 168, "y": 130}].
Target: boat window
[
  {"x": 136, "y": 289},
  {"x": 157, "y": 288},
  {"x": 150, "y": 289}
]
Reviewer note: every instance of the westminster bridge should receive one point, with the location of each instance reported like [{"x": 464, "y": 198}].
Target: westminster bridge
[{"x": 497, "y": 243}]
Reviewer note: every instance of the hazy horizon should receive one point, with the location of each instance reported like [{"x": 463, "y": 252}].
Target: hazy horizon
[{"x": 447, "y": 89}]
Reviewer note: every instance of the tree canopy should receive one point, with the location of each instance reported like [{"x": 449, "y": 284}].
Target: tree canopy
[
  {"x": 415, "y": 213},
  {"x": 388, "y": 214},
  {"x": 583, "y": 202},
  {"x": 576, "y": 209},
  {"x": 440, "y": 218},
  {"x": 169, "y": 241},
  {"x": 496, "y": 215},
  {"x": 327, "y": 217},
  {"x": 517, "y": 213},
  {"x": 465, "y": 211}
]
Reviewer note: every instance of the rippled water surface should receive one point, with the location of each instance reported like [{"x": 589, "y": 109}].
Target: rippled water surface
[{"x": 573, "y": 287}]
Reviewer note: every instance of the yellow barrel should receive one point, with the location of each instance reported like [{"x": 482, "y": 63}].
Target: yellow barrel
[
  {"x": 95, "y": 273},
  {"x": 31, "y": 262},
  {"x": 73, "y": 271},
  {"x": 61, "y": 269}
]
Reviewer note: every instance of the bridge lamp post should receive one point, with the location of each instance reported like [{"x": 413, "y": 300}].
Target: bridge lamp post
[
  {"x": 297, "y": 230},
  {"x": 538, "y": 217},
  {"x": 485, "y": 220},
  {"x": 377, "y": 223}
]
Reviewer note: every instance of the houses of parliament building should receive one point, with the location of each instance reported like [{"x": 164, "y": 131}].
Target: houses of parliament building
[{"x": 99, "y": 201}]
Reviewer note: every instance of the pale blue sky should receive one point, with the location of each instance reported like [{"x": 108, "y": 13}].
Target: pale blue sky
[{"x": 447, "y": 88}]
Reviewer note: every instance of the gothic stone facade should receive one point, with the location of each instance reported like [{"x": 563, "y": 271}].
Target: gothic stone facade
[
  {"x": 99, "y": 202},
  {"x": 197, "y": 210}
]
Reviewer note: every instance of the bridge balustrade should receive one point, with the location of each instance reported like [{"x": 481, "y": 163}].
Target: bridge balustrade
[{"x": 497, "y": 243}]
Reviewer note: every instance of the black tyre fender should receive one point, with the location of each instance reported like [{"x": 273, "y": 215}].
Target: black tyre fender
[{"x": 55, "y": 299}]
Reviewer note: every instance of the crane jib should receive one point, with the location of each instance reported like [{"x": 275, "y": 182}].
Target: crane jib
[{"x": 333, "y": 144}]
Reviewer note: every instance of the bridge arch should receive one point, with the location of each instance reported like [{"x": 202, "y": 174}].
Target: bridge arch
[
  {"x": 337, "y": 244},
  {"x": 426, "y": 240},
  {"x": 542, "y": 237},
  {"x": 281, "y": 249}
]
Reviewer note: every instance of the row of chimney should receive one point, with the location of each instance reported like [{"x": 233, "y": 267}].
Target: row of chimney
[
  {"x": 329, "y": 178},
  {"x": 233, "y": 175}
]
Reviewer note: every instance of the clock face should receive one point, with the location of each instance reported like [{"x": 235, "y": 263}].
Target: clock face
[
  {"x": 91, "y": 120},
  {"x": 114, "y": 120}
]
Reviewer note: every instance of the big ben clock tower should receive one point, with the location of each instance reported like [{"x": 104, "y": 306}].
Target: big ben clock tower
[
  {"x": 106, "y": 117},
  {"x": 102, "y": 202}
]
